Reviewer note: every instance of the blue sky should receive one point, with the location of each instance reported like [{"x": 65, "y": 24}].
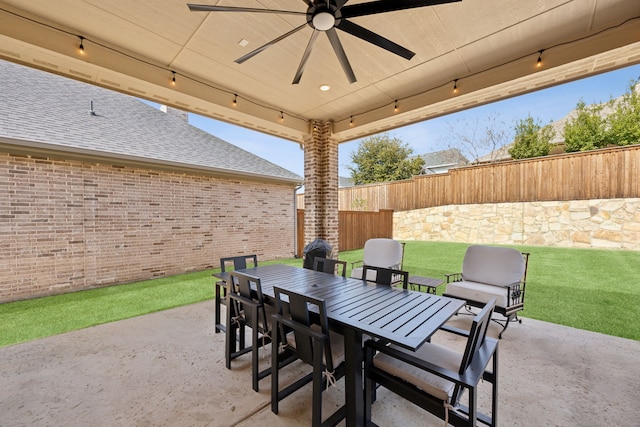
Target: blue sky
[{"x": 432, "y": 135}]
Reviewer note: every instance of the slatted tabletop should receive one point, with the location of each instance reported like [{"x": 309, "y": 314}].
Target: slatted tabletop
[{"x": 404, "y": 317}]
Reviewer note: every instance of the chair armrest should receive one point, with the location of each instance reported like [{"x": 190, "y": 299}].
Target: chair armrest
[
  {"x": 298, "y": 327},
  {"x": 515, "y": 293},
  {"x": 357, "y": 264},
  {"x": 245, "y": 301},
  {"x": 453, "y": 277}
]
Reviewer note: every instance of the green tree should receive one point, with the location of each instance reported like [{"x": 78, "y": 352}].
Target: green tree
[
  {"x": 531, "y": 139},
  {"x": 587, "y": 131},
  {"x": 624, "y": 122},
  {"x": 380, "y": 158}
]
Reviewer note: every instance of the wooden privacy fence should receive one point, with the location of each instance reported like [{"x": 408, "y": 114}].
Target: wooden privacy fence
[
  {"x": 598, "y": 174},
  {"x": 355, "y": 228}
]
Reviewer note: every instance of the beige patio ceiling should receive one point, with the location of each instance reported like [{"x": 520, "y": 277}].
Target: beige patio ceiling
[{"x": 488, "y": 48}]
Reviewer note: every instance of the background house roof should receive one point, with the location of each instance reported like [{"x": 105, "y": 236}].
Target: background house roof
[
  {"x": 443, "y": 160},
  {"x": 42, "y": 110}
]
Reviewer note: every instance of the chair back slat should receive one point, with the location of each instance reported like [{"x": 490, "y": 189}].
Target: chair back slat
[
  {"x": 477, "y": 335},
  {"x": 328, "y": 265},
  {"x": 305, "y": 312},
  {"x": 386, "y": 276},
  {"x": 238, "y": 262},
  {"x": 250, "y": 288}
]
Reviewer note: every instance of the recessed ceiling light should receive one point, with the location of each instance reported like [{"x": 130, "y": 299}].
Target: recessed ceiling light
[
  {"x": 325, "y": 88},
  {"x": 243, "y": 42}
]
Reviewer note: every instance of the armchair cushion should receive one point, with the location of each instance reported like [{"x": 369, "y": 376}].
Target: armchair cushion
[
  {"x": 480, "y": 292},
  {"x": 428, "y": 382},
  {"x": 492, "y": 265},
  {"x": 380, "y": 252}
]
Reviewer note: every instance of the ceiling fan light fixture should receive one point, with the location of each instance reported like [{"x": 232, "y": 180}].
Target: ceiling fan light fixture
[
  {"x": 323, "y": 21},
  {"x": 329, "y": 17}
]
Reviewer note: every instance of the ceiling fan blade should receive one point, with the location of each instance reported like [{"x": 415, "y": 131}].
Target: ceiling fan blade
[
  {"x": 305, "y": 57},
  {"x": 272, "y": 42},
  {"x": 342, "y": 56},
  {"x": 381, "y": 6},
  {"x": 376, "y": 39},
  {"x": 208, "y": 8}
]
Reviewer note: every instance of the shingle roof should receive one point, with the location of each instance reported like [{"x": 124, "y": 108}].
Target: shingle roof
[
  {"x": 451, "y": 156},
  {"x": 45, "y": 109}
]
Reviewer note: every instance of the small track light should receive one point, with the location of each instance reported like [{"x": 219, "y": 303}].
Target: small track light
[
  {"x": 455, "y": 86},
  {"x": 235, "y": 99},
  {"x": 81, "y": 47},
  {"x": 539, "y": 62},
  {"x": 351, "y": 121},
  {"x": 281, "y": 116},
  {"x": 395, "y": 108},
  {"x": 173, "y": 79}
]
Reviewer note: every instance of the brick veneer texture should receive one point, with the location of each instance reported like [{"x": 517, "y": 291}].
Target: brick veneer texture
[
  {"x": 70, "y": 225},
  {"x": 321, "y": 186}
]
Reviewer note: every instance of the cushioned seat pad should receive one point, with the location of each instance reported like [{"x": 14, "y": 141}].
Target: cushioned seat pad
[
  {"x": 430, "y": 383},
  {"x": 473, "y": 291}
]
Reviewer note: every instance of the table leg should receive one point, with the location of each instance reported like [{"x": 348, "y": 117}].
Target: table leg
[{"x": 354, "y": 387}]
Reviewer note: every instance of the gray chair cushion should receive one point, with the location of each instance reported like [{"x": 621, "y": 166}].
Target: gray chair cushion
[
  {"x": 480, "y": 292},
  {"x": 380, "y": 252},
  {"x": 492, "y": 265},
  {"x": 430, "y": 383}
]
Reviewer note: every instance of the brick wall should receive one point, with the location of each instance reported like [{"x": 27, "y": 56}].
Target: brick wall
[
  {"x": 321, "y": 185},
  {"x": 71, "y": 225}
]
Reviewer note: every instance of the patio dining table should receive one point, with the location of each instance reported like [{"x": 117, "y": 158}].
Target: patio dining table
[{"x": 356, "y": 308}]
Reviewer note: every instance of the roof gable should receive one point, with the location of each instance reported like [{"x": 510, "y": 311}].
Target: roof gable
[{"x": 67, "y": 115}]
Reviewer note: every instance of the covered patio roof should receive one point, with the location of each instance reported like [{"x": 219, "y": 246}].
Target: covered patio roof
[{"x": 488, "y": 49}]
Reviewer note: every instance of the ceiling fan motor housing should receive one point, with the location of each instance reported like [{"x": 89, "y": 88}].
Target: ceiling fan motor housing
[{"x": 324, "y": 17}]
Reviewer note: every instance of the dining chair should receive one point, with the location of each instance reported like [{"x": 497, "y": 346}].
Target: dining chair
[
  {"x": 313, "y": 343},
  {"x": 235, "y": 263},
  {"x": 434, "y": 377},
  {"x": 328, "y": 265},
  {"x": 386, "y": 276},
  {"x": 246, "y": 308}
]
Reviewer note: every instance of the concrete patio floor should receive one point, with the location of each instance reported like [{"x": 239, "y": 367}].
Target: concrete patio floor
[{"x": 167, "y": 369}]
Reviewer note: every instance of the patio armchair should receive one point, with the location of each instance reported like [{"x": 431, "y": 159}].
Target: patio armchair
[
  {"x": 332, "y": 266},
  {"x": 246, "y": 308},
  {"x": 435, "y": 377},
  {"x": 238, "y": 263},
  {"x": 379, "y": 252},
  {"x": 313, "y": 343},
  {"x": 491, "y": 272}
]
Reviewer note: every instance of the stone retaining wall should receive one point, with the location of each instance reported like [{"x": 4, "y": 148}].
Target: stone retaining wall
[{"x": 603, "y": 224}]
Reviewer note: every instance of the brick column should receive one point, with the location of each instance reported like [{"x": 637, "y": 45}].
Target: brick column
[{"x": 321, "y": 185}]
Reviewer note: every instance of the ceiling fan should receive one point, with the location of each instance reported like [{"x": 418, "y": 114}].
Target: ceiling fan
[{"x": 326, "y": 16}]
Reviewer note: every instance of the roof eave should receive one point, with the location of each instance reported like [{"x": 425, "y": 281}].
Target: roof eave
[{"x": 26, "y": 147}]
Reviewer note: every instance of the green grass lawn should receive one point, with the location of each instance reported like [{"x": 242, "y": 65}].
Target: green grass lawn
[{"x": 596, "y": 290}]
